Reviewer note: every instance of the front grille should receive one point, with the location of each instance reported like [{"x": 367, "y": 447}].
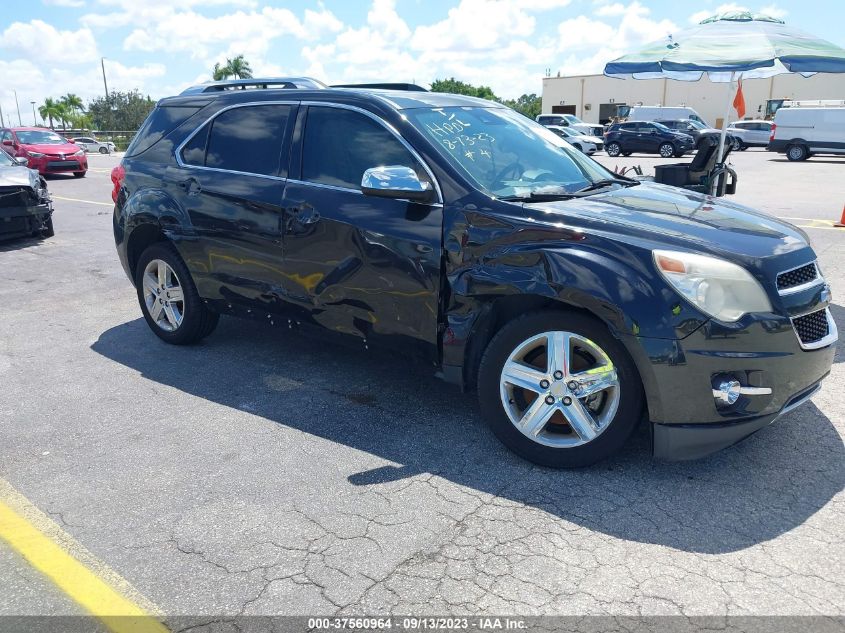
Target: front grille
[
  {"x": 599, "y": 146},
  {"x": 811, "y": 327},
  {"x": 64, "y": 165},
  {"x": 13, "y": 198},
  {"x": 797, "y": 277}
]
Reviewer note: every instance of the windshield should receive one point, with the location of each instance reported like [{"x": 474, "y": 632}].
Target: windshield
[
  {"x": 661, "y": 127},
  {"x": 6, "y": 160},
  {"x": 39, "y": 137},
  {"x": 572, "y": 118},
  {"x": 698, "y": 125},
  {"x": 505, "y": 153}
]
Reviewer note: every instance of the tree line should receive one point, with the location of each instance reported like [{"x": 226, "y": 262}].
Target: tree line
[{"x": 118, "y": 111}]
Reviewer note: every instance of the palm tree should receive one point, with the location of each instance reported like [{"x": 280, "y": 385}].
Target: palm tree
[
  {"x": 72, "y": 101},
  {"x": 50, "y": 109},
  {"x": 238, "y": 68}
]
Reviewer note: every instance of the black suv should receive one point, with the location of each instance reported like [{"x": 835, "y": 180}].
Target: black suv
[
  {"x": 461, "y": 232},
  {"x": 647, "y": 137},
  {"x": 696, "y": 129}
]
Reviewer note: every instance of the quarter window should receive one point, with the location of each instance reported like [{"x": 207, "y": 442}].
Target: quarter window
[{"x": 340, "y": 145}]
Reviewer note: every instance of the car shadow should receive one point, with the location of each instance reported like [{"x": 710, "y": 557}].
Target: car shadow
[
  {"x": 376, "y": 402},
  {"x": 7, "y": 245}
]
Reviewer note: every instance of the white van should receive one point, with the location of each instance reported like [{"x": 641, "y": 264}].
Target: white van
[
  {"x": 802, "y": 132},
  {"x": 659, "y": 113}
]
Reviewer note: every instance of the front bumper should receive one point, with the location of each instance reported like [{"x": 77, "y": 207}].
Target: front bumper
[
  {"x": 24, "y": 220},
  {"x": 760, "y": 351},
  {"x": 56, "y": 165}
]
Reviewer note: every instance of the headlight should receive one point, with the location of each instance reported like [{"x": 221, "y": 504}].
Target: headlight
[
  {"x": 79, "y": 153},
  {"x": 35, "y": 154},
  {"x": 719, "y": 288}
]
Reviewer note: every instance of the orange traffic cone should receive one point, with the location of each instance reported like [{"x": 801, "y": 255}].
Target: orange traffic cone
[{"x": 841, "y": 223}]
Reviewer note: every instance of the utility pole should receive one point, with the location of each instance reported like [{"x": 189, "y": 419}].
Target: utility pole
[
  {"x": 105, "y": 85},
  {"x": 20, "y": 122},
  {"x": 34, "y": 120},
  {"x": 2, "y": 123}
]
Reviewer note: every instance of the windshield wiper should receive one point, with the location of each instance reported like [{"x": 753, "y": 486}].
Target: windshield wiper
[
  {"x": 539, "y": 197},
  {"x": 625, "y": 182}
]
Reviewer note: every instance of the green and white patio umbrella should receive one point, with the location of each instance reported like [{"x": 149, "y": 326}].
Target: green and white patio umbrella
[{"x": 731, "y": 46}]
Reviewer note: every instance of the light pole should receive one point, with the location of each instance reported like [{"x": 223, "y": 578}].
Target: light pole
[
  {"x": 105, "y": 85},
  {"x": 19, "y": 108},
  {"x": 2, "y": 124},
  {"x": 34, "y": 120}
]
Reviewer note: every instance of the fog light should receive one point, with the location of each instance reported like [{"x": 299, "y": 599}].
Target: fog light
[{"x": 726, "y": 392}]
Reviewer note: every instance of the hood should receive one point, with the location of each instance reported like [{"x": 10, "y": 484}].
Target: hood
[
  {"x": 660, "y": 216},
  {"x": 51, "y": 148},
  {"x": 18, "y": 176}
]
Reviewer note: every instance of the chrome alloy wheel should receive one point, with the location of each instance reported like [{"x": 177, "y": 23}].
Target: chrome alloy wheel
[
  {"x": 666, "y": 150},
  {"x": 163, "y": 295},
  {"x": 559, "y": 389}
]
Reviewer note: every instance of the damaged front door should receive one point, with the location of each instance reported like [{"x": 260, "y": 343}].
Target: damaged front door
[{"x": 361, "y": 265}]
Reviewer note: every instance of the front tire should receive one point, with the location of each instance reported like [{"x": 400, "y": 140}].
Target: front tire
[
  {"x": 79, "y": 174},
  {"x": 565, "y": 408},
  {"x": 613, "y": 149},
  {"x": 666, "y": 150},
  {"x": 169, "y": 299},
  {"x": 104, "y": 150},
  {"x": 738, "y": 145},
  {"x": 797, "y": 152}
]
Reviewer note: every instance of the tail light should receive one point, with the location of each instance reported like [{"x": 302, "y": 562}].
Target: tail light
[
  {"x": 772, "y": 135},
  {"x": 117, "y": 176}
]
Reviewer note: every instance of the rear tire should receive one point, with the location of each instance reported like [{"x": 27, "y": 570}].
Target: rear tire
[
  {"x": 738, "y": 145},
  {"x": 613, "y": 412},
  {"x": 613, "y": 149},
  {"x": 797, "y": 152},
  {"x": 48, "y": 230},
  {"x": 193, "y": 320}
]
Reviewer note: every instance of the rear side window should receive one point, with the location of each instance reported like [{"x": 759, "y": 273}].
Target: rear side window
[
  {"x": 160, "y": 122},
  {"x": 340, "y": 145},
  {"x": 247, "y": 139}
]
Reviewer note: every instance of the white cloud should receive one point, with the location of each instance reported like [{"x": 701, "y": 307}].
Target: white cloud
[
  {"x": 610, "y": 10},
  {"x": 65, "y": 3},
  {"x": 38, "y": 41},
  {"x": 582, "y": 32},
  {"x": 475, "y": 25},
  {"x": 770, "y": 10}
]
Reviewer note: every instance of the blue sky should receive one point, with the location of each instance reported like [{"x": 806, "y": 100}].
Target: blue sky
[{"x": 51, "y": 47}]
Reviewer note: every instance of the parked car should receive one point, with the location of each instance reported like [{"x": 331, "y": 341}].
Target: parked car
[
  {"x": 800, "y": 132},
  {"x": 659, "y": 113},
  {"x": 45, "y": 150},
  {"x": 455, "y": 230},
  {"x": 750, "y": 134},
  {"x": 647, "y": 137},
  {"x": 90, "y": 144},
  {"x": 570, "y": 120},
  {"x": 587, "y": 144},
  {"x": 25, "y": 206},
  {"x": 697, "y": 130}
]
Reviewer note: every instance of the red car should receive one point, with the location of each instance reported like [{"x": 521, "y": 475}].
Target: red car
[{"x": 45, "y": 150}]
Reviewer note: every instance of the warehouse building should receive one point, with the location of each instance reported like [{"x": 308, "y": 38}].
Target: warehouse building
[{"x": 595, "y": 98}]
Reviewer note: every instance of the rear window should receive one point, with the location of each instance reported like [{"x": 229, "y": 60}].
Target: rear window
[{"x": 161, "y": 121}]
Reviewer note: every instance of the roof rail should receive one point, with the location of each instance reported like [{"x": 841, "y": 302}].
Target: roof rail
[
  {"x": 384, "y": 86},
  {"x": 290, "y": 83}
]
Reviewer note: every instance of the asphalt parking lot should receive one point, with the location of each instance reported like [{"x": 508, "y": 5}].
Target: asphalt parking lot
[{"x": 262, "y": 472}]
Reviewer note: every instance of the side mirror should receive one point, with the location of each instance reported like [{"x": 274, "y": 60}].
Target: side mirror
[
  {"x": 22, "y": 160},
  {"x": 395, "y": 181}
]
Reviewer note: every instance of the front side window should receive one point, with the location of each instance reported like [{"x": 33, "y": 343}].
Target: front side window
[
  {"x": 340, "y": 145},
  {"x": 248, "y": 139},
  {"x": 505, "y": 153}
]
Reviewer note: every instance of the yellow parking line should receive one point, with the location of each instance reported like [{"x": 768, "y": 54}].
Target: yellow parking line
[
  {"x": 828, "y": 222},
  {"x": 105, "y": 204},
  {"x": 72, "y": 568}
]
